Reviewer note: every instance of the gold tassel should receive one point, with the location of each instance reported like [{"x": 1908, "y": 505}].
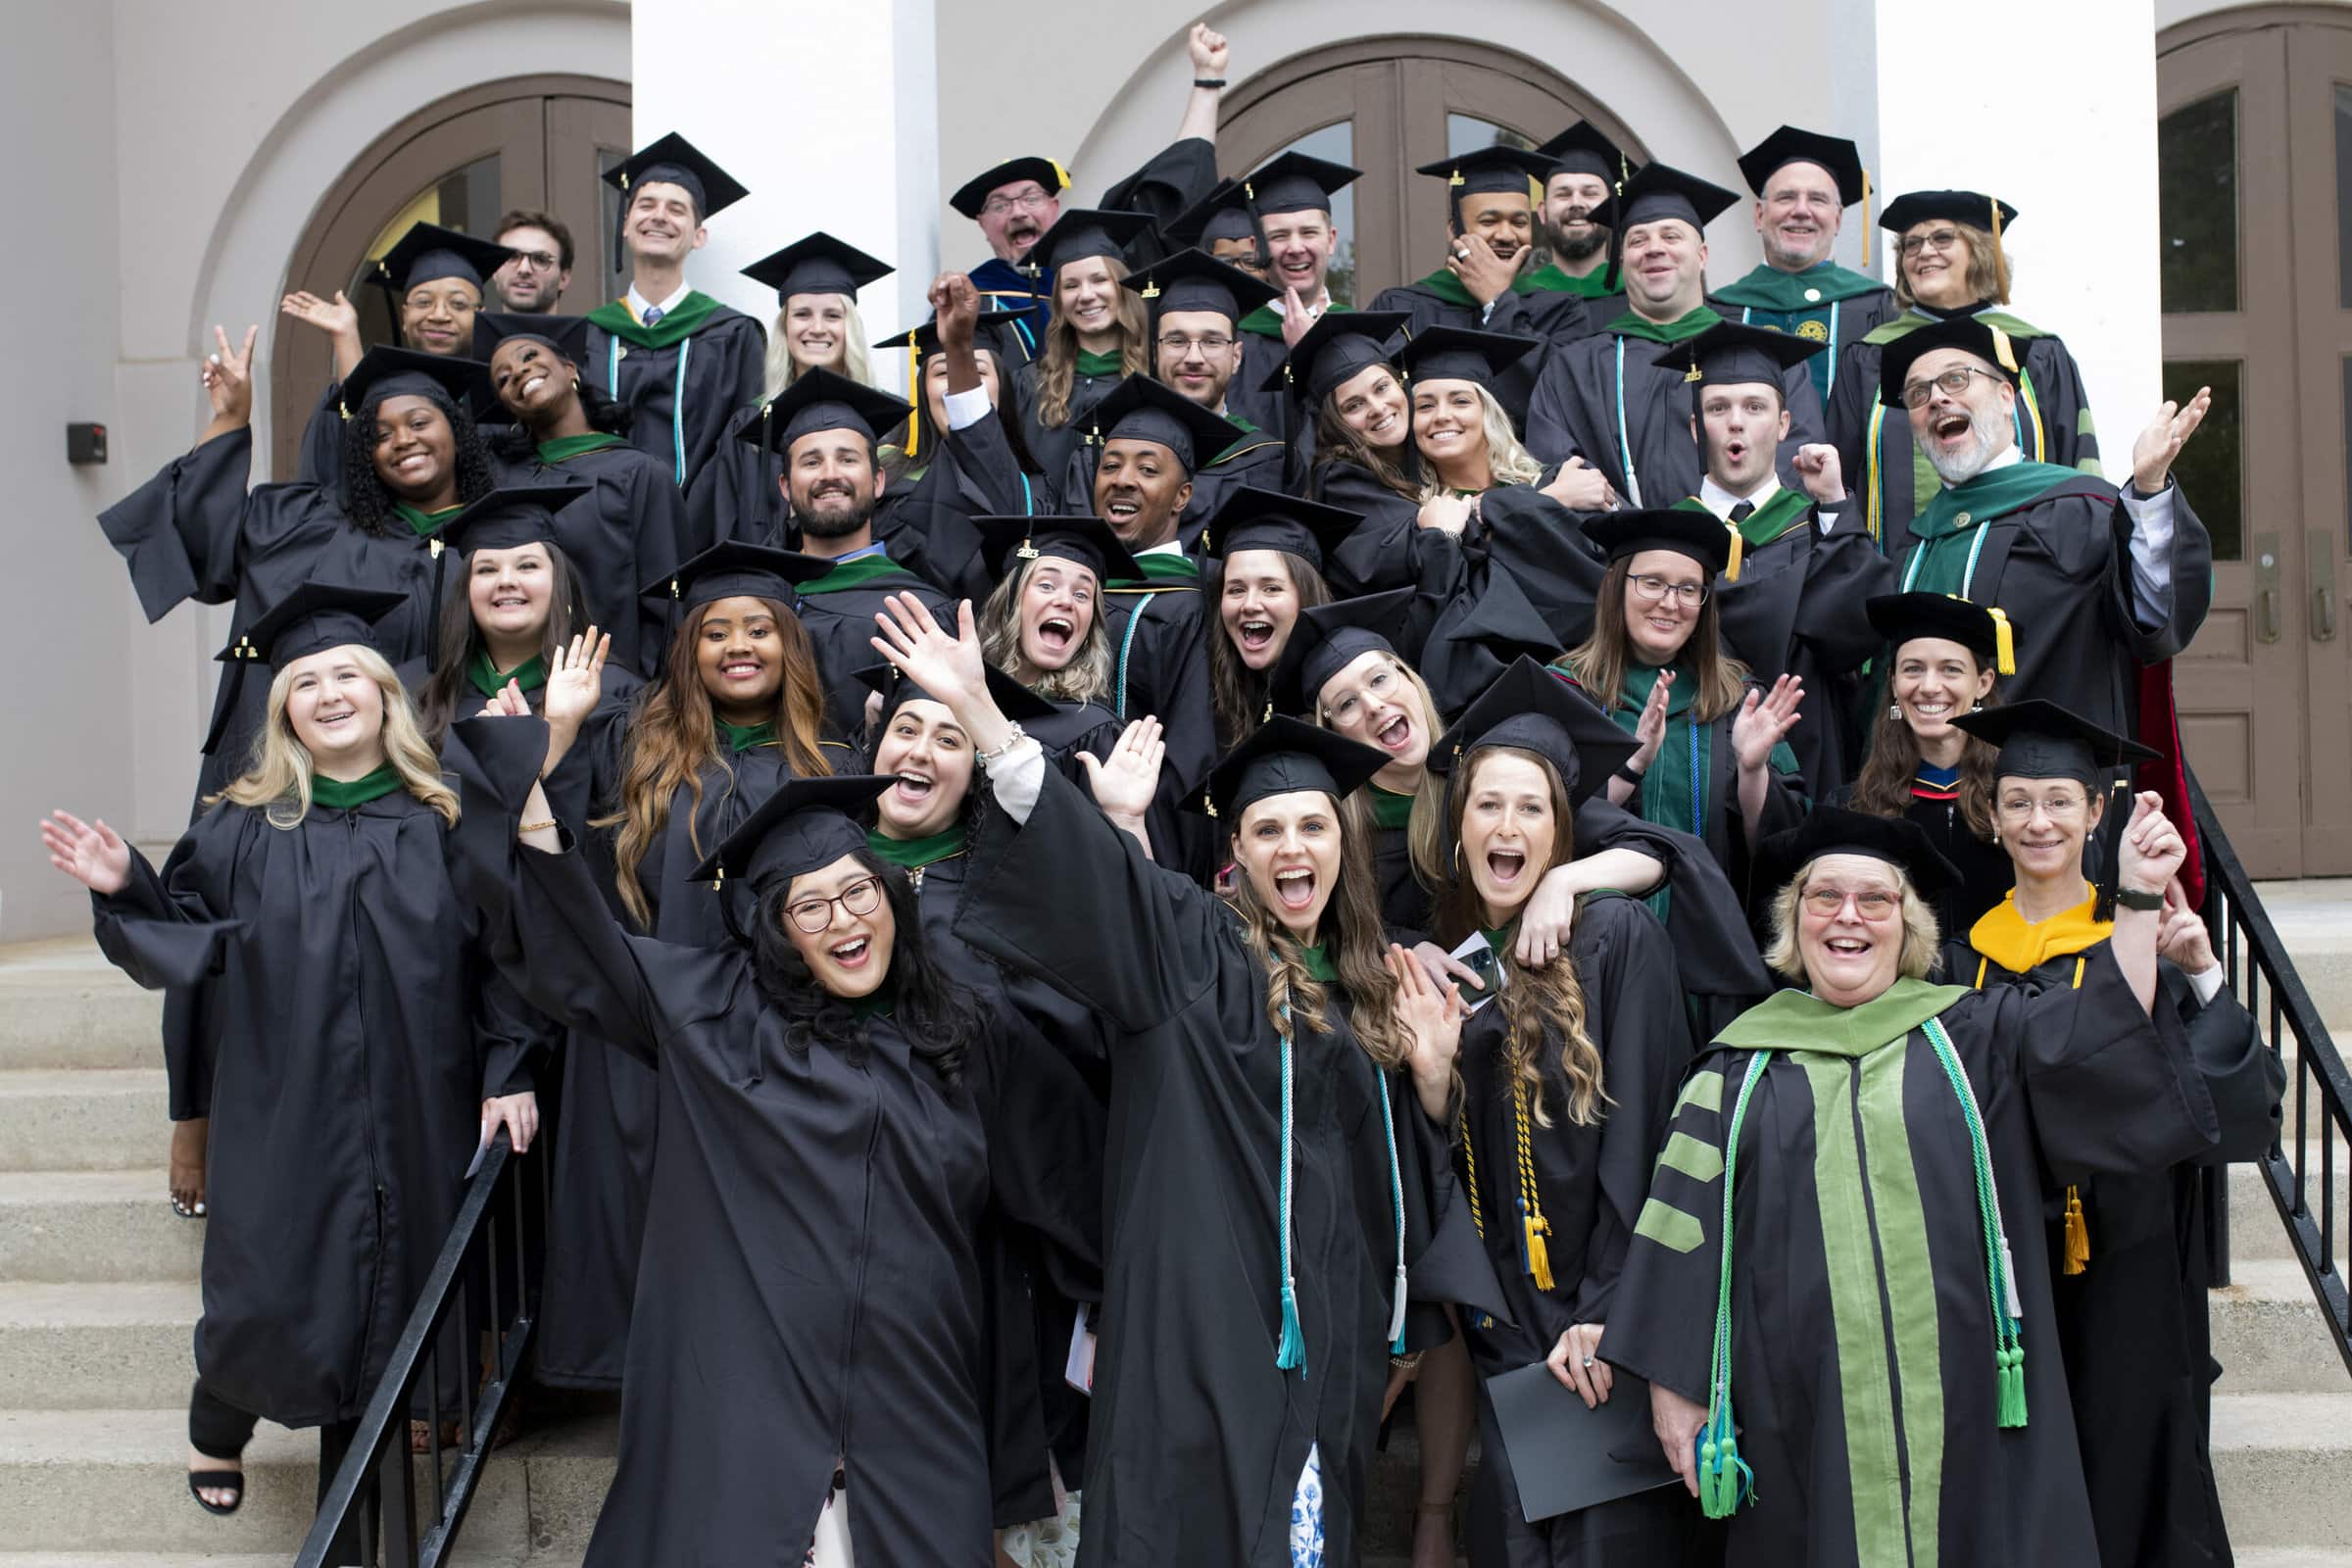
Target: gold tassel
[
  {"x": 1061, "y": 175},
  {"x": 1731, "y": 569},
  {"x": 915, "y": 381},
  {"x": 2005, "y": 350},
  {"x": 2004, "y": 641},
  {"x": 2000, "y": 263},
  {"x": 1870, "y": 251},
  {"x": 1539, "y": 1256},
  {"x": 2078, "y": 1234}
]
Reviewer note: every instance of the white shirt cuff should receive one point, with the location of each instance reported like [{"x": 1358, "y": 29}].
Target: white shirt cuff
[
  {"x": 967, "y": 409},
  {"x": 1017, "y": 776},
  {"x": 2151, "y": 554},
  {"x": 2207, "y": 985}
]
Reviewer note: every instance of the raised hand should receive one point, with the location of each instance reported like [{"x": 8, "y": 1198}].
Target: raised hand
[
  {"x": 1765, "y": 721},
  {"x": 575, "y": 681},
  {"x": 1126, "y": 782},
  {"x": 1649, "y": 730},
  {"x": 1209, "y": 51},
  {"x": 1823, "y": 475},
  {"x": 1297, "y": 317},
  {"x": 948, "y": 667},
  {"x": 956, "y": 305},
  {"x": 227, "y": 378},
  {"x": 90, "y": 853},
  {"x": 337, "y": 317},
  {"x": 2152, "y": 454},
  {"x": 2182, "y": 937},
  {"x": 1486, "y": 275},
  {"x": 1431, "y": 1016},
  {"x": 2152, "y": 852}
]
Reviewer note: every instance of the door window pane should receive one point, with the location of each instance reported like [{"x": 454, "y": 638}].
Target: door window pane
[
  {"x": 465, "y": 199},
  {"x": 1337, "y": 143},
  {"x": 2196, "y": 152},
  {"x": 2344, "y": 195},
  {"x": 1467, "y": 133},
  {"x": 2211, "y": 467}
]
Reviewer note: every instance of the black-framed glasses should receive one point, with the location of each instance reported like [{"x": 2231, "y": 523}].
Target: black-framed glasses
[
  {"x": 544, "y": 261},
  {"x": 1649, "y": 590},
  {"x": 861, "y": 897},
  {"x": 1953, "y": 381}
]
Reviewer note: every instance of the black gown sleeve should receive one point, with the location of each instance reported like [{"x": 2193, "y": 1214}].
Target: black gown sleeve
[
  {"x": 1179, "y": 175},
  {"x": 2245, "y": 1079},
  {"x": 175, "y": 926},
  {"x": 321, "y": 461},
  {"x": 183, "y": 531}
]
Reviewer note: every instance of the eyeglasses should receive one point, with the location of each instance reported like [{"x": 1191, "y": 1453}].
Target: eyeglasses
[
  {"x": 1873, "y": 904},
  {"x": 541, "y": 260},
  {"x": 861, "y": 897},
  {"x": 1940, "y": 240},
  {"x": 1953, "y": 380},
  {"x": 1029, "y": 200},
  {"x": 1212, "y": 344},
  {"x": 1649, "y": 590},
  {"x": 2057, "y": 807}
]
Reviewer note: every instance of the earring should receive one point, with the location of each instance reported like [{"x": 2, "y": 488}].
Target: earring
[
  {"x": 1976, "y": 708},
  {"x": 1894, "y": 710}
]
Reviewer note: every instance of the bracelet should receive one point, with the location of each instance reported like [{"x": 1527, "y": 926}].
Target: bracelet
[
  {"x": 2134, "y": 899},
  {"x": 1406, "y": 1363},
  {"x": 535, "y": 827},
  {"x": 1628, "y": 773},
  {"x": 991, "y": 758},
  {"x": 1211, "y": 82}
]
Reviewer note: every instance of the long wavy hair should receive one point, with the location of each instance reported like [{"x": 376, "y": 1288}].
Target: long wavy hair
[
  {"x": 1337, "y": 444},
  {"x": 783, "y": 369},
  {"x": 1507, "y": 461},
  {"x": 1984, "y": 274},
  {"x": 674, "y": 733},
  {"x": 1601, "y": 661},
  {"x": 1086, "y": 679},
  {"x": 278, "y": 769},
  {"x": 1541, "y": 1003},
  {"x": 1882, "y": 788},
  {"x": 368, "y": 503},
  {"x": 1237, "y": 693},
  {"x": 941, "y": 1020},
  {"x": 457, "y": 638},
  {"x": 1057, "y": 360},
  {"x": 1354, "y": 939}
]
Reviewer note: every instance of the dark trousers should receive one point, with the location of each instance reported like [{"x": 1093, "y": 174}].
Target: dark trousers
[{"x": 218, "y": 1430}]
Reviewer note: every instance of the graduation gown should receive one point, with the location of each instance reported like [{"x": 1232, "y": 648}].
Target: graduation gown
[
  {"x": 630, "y": 530},
  {"x": 1824, "y": 304},
  {"x": 1199, "y": 1439},
  {"x": 1159, "y": 629},
  {"x": 358, "y": 1032},
  {"x": 735, "y": 493},
  {"x": 1256, "y": 458},
  {"x": 1542, "y": 547},
  {"x": 1275, "y": 411},
  {"x": 838, "y": 609},
  {"x": 811, "y": 1285},
  {"x": 967, "y": 473},
  {"x": 1587, "y": 1184},
  {"x": 1607, "y": 400},
  {"x": 1382, "y": 551},
  {"x": 1862, "y": 1349},
  {"x": 1546, "y": 305},
  {"x": 1057, "y": 449},
  {"x": 682, "y": 378}
]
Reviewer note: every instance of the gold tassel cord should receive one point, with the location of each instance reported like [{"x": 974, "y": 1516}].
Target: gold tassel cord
[
  {"x": 1870, "y": 251},
  {"x": 2004, "y": 641},
  {"x": 1731, "y": 569},
  {"x": 915, "y": 381},
  {"x": 2078, "y": 1234},
  {"x": 1531, "y": 1207}
]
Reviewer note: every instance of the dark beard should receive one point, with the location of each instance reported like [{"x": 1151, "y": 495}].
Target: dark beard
[
  {"x": 1576, "y": 248},
  {"x": 840, "y": 525}
]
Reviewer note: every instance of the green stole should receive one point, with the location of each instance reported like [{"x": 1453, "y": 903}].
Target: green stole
[
  {"x": 1317, "y": 962},
  {"x": 1544, "y": 279},
  {"x": 1245, "y": 444},
  {"x": 913, "y": 855},
  {"x": 1390, "y": 810},
  {"x": 572, "y": 445},
  {"x": 739, "y": 738},
  {"x": 1760, "y": 527},
  {"x": 1800, "y": 294},
  {"x": 1100, "y": 364},
  {"x": 1593, "y": 285},
  {"x": 676, "y": 324},
  {"x": 1950, "y": 529},
  {"x": 531, "y": 674},
  {"x": 336, "y": 795},
  {"x": 851, "y": 574},
  {"x": 424, "y": 524},
  {"x": 1681, "y": 330},
  {"x": 1162, "y": 566}
]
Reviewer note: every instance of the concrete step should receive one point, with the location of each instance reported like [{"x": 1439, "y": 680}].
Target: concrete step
[
  {"x": 97, "y": 1347},
  {"x": 2275, "y": 1558},
  {"x": 58, "y": 1118},
  {"x": 2280, "y": 1460},
  {"x": 64, "y": 1005},
  {"x": 2257, "y": 1234},
  {"x": 64, "y": 1227},
  {"x": 2314, "y": 919},
  {"x": 2269, "y": 1335}
]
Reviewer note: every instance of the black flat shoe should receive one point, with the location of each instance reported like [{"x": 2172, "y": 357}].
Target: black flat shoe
[{"x": 218, "y": 1481}]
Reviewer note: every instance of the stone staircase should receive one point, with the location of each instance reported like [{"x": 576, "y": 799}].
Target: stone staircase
[{"x": 98, "y": 1296}]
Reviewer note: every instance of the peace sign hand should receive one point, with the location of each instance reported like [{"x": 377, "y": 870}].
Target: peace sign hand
[{"x": 227, "y": 378}]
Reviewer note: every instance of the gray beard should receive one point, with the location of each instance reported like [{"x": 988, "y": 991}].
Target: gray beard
[{"x": 1971, "y": 460}]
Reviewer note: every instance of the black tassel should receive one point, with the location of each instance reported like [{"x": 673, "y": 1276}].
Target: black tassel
[{"x": 2108, "y": 843}]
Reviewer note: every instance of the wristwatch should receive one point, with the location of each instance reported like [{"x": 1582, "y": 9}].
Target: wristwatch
[{"x": 2133, "y": 899}]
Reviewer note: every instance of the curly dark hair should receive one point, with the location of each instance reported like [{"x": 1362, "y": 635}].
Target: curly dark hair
[
  {"x": 941, "y": 1020},
  {"x": 366, "y": 499}
]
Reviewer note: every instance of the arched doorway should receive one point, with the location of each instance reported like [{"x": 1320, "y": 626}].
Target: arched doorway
[
  {"x": 1387, "y": 106},
  {"x": 539, "y": 143},
  {"x": 2255, "y": 151}
]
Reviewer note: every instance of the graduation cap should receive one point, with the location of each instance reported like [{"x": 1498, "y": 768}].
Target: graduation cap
[
  {"x": 449, "y": 380},
  {"x": 735, "y": 568},
  {"x": 803, "y": 827},
  {"x": 511, "y": 517},
  {"x": 1284, "y": 755},
  {"x": 1737, "y": 354},
  {"x": 1582, "y": 149},
  {"x": 1979, "y": 337},
  {"x": 1084, "y": 231},
  {"x": 1294, "y": 182},
  {"x": 1327, "y": 638},
  {"x": 1223, "y": 214},
  {"x": 2038, "y": 739},
  {"x": 1983, "y": 629},
  {"x": 568, "y": 335},
  {"x": 311, "y": 618},
  {"x": 823, "y": 400},
  {"x": 1461, "y": 354},
  {"x": 817, "y": 263},
  {"x": 428, "y": 251},
  {"x": 1972, "y": 208},
  {"x": 1789, "y": 145},
  {"x": 1008, "y": 542},
  {"x": 675, "y": 160},
  {"x": 973, "y": 193},
  {"x": 1656, "y": 192},
  {"x": 1340, "y": 344},
  {"x": 1834, "y": 830},
  {"x": 1013, "y": 700},
  {"x": 1195, "y": 281},
  {"x": 922, "y": 341},
  {"x": 1701, "y": 535},
  {"x": 1140, "y": 409},
  {"x": 1490, "y": 169},
  {"x": 1531, "y": 709},
  {"x": 1251, "y": 518}
]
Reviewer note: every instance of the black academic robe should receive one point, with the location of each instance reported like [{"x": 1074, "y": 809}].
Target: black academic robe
[
  {"x": 1159, "y": 629},
  {"x": 1543, "y": 547},
  {"x": 966, "y": 473},
  {"x": 1539, "y": 306},
  {"x": 1589, "y": 1184},
  {"x": 681, "y": 389},
  {"x": 1859, "y": 1258},
  {"x": 630, "y": 531},
  {"x": 1607, "y": 400},
  {"x": 1055, "y": 448},
  {"x": 838, "y": 609},
  {"x": 736, "y": 493},
  {"x": 1273, "y": 410},
  {"x": 1384, "y": 551},
  {"x": 2134, "y": 1323},
  {"x": 195, "y": 533},
  {"x": 1199, "y": 1439},
  {"x": 811, "y": 1287},
  {"x": 1844, "y": 307},
  {"x": 1255, "y": 460},
  {"x": 358, "y": 1032}
]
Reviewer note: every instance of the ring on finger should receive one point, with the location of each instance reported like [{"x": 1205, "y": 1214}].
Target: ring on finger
[{"x": 1587, "y": 1360}]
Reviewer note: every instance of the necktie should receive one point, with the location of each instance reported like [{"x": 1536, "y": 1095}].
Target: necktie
[
  {"x": 1741, "y": 511},
  {"x": 652, "y": 316}
]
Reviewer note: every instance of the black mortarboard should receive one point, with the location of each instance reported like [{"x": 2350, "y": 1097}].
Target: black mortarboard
[
  {"x": 1006, "y": 541},
  {"x": 1295, "y": 182},
  {"x": 803, "y": 827},
  {"x": 822, "y": 400},
  {"x": 447, "y": 379},
  {"x": 1013, "y": 700},
  {"x": 1489, "y": 168},
  {"x": 1284, "y": 755},
  {"x": 311, "y": 618},
  {"x": 1084, "y": 231},
  {"x": 1327, "y": 638},
  {"x": 1972, "y": 208},
  {"x": 1701, "y": 535},
  {"x": 427, "y": 252},
  {"x": 1195, "y": 281},
  {"x": 1222, "y": 213},
  {"x": 1583, "y": 150},
  {"x": 1533, "y": 710},
  {"x": 1735, "y": 353},
  {"x": 1340, "y": 344},
  {"x": 1142, "y": 409},
  {"x": 1789, "y": 145},
  {"x": 2038, "y": 739},
  {"x": 1251, "y": 518},
  {"x": 675, "y": 160},
  {"x": 1460, "y": 354},
  {"x": 1979, "y": 337},
  {"x": 1981, "y": 629},
  {"x": 511, "y": 516},
  {"x": 817, "y": 263},
  {"x": 568, "y": 335},
  {"x": 734, "y": 567},
  {"x": 923, "y": 337},
  {"x": 972, "y": 194},
  {"x": 1834, "y": 830},
  {"x": 1660, "y": 190}
]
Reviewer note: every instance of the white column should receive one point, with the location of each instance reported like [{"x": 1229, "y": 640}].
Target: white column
[
  {"x": 2052, "y": 108},
  {"x": 828, "y": 113}
]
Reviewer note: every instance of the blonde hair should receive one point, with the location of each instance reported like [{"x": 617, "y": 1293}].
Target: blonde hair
[
  {"x": 277, "y": 774},
  {"x": 1425, "y": 834},
  {"x": 1987, "y": 264},
  {"x": 1086, "y": 679},
  {"x": 1922, "y": 939},
  {"x": 1507, "y": 461},
  {"x": 783, "y": 369}
]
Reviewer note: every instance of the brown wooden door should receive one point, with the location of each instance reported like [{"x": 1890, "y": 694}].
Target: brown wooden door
[{"x": 538, "y": 142}]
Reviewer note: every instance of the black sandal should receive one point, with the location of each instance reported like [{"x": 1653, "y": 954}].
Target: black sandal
[{"x": 218, "y": 1481}]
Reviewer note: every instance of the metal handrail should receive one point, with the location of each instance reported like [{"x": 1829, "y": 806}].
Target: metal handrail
[
  {"x": 2260, "y": 971},
  {"x": 488, "y": 1272}
]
